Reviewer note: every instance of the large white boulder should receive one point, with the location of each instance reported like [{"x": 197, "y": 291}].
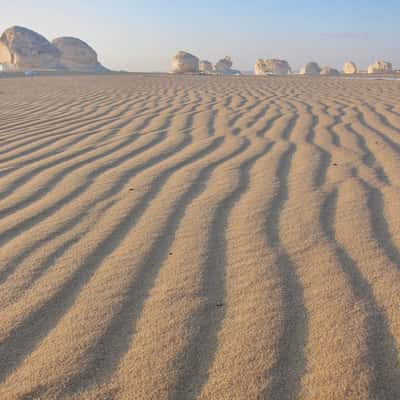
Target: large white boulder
[
  {"x": 205, "y": 66},
  {"x": 24, "y": 49},
  {"x": 329, "y": 71},
  {"x": 76, "y": 55},
  {"x": 224, "y": 66},
  {"x": 350, "y": 68},
  {"x": 184, "y": 62},
  {"x": 272, "y": 67},
  {"x": 312, "y": 68},
  {"x": 380, "y": 67}
]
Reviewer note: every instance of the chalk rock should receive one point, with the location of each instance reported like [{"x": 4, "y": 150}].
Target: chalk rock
[
  {"x": 350, "y": 68},
  {"x": 22, "y": 49},
  {"x": 224, "y": 67},
  {"x": 329, "y": 71},
  {"x": 272, "y": 67},
  {"x": 76, "y": 55},
  {"x": 184, "y": 62},
  {"x": 312, "y": 68},
  {"x": 205, "y": 66},
  {"x": 380, "y": 67}
]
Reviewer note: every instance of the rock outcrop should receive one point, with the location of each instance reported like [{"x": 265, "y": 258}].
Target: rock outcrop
[
  {"x": 350, "y": 68},
  {"x": 224, "y": 66},
  {"x": 272, "y": 67},
  {"x": 312, "y": 68},
  {"x": 76, "y": 55},
  {"x": 329, "y": 71},
  {"x": 205, "y": 66},
  {"x": 185, "y": 63},
  {"x": 380, "y": 67},
  {"x": 22, "y": 49}
]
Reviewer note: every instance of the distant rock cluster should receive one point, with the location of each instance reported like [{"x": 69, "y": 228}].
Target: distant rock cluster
[
  {"x": 184, "y": 62},
  {"x": 349, "y": 68},
  {"x": 282, "y": 67},
  {"x": 22, "y": 49}
]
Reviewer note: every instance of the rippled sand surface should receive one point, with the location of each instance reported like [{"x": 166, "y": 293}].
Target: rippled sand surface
[{"x": 166, "y": 237}]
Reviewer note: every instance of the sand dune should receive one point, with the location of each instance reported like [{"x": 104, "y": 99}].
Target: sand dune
[{"x": 193, "y": 237}]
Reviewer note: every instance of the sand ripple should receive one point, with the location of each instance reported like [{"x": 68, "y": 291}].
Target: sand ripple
[{"x": 168, "y": 237}]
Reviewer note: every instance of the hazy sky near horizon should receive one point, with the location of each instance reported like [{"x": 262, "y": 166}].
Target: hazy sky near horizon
[{"x": 143, "y": 35}]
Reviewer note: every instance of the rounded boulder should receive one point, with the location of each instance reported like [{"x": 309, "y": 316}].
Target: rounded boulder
[
  {"x": 272, "y": 67},
  {"x": 75, "y": 54},
  {"x": 22, "y": 49},
  {"x": 350, "y": 68},
  {"x": 184, "y": 62},
  {"x": 312, "y": 68}
]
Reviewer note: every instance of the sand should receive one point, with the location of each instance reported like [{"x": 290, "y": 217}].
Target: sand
[{"x": 193, "y": 237}]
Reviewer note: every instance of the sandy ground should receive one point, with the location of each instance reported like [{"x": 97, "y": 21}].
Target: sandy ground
[{"x": 168, "y": 237}]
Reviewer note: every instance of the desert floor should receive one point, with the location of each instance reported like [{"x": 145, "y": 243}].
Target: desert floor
[{"x": 193, "y": 237}]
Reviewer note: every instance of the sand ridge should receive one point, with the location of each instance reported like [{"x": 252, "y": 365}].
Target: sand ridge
[{"x": 194, "y": 237}]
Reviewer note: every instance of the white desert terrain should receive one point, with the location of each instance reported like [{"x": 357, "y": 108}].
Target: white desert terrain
[{"x": 176, "y": 237}]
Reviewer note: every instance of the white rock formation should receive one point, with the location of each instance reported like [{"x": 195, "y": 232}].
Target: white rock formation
[
  {"x": 224, "y": 66},
  {"x": 350, "y": 68},
  {"x": 23, "y": 49},
  {"x": 184, "y": 63},
  {"x": 312, "y": 68},
  {"x": 380, "y": 67},
  {"x": 272, "y": 67},
  {"x": 205, "y": 66},
  {"x": 329, "y": 71},
  {"x": 76, "y": 55}
]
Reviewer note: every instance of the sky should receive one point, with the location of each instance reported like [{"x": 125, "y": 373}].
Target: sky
[{"x": 143, "y": 35}]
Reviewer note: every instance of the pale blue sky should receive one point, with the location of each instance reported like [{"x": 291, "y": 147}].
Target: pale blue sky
[{"x": 142, "y": 35}]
